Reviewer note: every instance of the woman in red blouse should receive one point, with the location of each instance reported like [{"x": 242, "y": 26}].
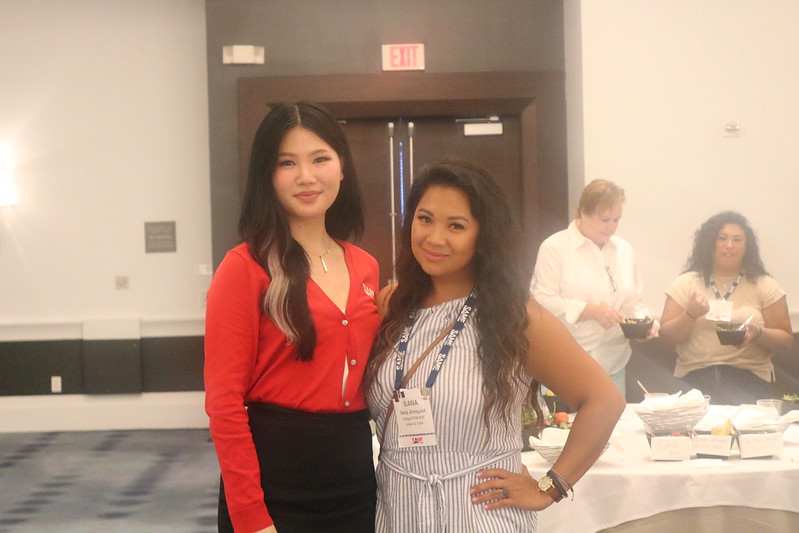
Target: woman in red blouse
[{"x": 290, "y": 321}]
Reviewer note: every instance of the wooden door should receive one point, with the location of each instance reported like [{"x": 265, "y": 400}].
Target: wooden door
[
  {"x": 389, "y": 152},
  {"x": 500, "y": 155},
  {"x": 370, "y": 145},
  {"x": 533, "y": 102}
]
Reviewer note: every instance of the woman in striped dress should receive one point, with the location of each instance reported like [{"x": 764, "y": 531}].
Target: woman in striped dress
[{"x": 460, "y": 347}]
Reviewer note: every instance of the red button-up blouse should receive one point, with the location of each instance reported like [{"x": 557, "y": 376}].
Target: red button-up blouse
[{"x": 247, "y": 360}]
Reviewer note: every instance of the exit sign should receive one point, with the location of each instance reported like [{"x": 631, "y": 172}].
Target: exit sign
[{"x": 403, "y": 57}]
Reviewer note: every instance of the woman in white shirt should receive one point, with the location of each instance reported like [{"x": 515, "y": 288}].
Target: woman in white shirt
[{"x": 587, "y": 277}]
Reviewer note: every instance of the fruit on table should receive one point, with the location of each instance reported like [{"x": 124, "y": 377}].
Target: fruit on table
[
  {"x": 561, "y": 418},
  {"x": 725, "y": 428},
  {"x": 558, "y": 420}
]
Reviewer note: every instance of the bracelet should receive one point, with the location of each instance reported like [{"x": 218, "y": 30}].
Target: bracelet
[
  {"x": 559, "y": 481},
  {"x": 692, "y": 317}
]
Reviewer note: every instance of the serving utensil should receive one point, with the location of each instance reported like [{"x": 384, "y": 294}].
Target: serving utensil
[{"x": 745, "y": 322}]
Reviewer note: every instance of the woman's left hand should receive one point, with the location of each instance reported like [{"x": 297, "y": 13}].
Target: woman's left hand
[
  {"x": 502, "y": 488},
  {"x": 753, "y": 332}
]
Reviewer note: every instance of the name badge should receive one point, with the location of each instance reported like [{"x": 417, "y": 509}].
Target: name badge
[
  {"x": 414, "y": 419},
  {"x": 720, "y": 311}
]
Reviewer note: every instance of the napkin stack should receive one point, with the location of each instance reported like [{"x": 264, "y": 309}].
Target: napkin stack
[
  {"x": 754, "y": 418},
  {"x": 691, "y": 400}
]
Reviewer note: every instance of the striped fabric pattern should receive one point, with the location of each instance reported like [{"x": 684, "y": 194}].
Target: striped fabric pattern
[{"x": 407, "y": 504}]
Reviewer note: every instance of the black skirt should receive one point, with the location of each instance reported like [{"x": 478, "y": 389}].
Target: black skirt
[{"x": 316, "y": 470}]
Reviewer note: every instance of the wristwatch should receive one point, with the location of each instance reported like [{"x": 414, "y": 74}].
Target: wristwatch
[{"x": 545, "y": 484}]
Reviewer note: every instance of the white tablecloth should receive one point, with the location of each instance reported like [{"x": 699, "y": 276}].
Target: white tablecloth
[{"x": 628, "y": 485}]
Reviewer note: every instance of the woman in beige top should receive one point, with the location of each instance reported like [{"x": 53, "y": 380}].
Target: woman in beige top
[{"x": 725, "y": 280}]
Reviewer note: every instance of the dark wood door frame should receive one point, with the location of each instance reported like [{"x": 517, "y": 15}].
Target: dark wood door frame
[{"x": 537, "y": 97}]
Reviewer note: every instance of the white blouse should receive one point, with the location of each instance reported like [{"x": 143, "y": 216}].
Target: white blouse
[{"x": 572, "y": 271}]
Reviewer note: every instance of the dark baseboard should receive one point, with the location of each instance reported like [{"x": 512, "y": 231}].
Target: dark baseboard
[
  {"x": 162, "y": 364},
  {"x": 26, "y": 367},
  {"x": 172, "y": 364},
  {"x": 175, "y": 364},
  {"x": 112, "y": 366}
]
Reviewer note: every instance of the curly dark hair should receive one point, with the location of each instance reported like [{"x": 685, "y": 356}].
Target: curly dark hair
[
  {"x": 701, "y": 258},
  {"x": 502, "y": 277}
]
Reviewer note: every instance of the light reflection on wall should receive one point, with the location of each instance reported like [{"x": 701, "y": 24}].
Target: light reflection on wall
[{"x": 8, "y": 192}]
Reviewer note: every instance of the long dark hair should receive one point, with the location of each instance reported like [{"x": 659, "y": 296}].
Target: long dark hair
[
  {"x": 263, "y": 224},
  {"x": 704, "y": 247},
  {"x": 502, "y": 280}
]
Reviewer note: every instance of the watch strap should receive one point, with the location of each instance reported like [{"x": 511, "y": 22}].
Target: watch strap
[
  {"x": 560, "y": 483},
  {"x": 547, "y": 484},
  {"x": 554, "y": 493}
]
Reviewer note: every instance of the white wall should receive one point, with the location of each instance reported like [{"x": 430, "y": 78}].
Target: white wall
[
  {"x": 573, "y": 58},
  {"x": 104, "y": 106},
  {"x": 655, "y": 80}
]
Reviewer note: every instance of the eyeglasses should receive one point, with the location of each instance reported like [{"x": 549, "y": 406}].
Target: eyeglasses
[{"x": 610, "y": 277}]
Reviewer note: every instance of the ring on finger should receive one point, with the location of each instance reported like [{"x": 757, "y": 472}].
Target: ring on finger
[{"x": 506, "y": 492}]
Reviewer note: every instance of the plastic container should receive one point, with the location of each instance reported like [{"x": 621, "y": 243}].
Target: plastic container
[
  {"x": 636, "y": 328},
  {"x": 731, "y": 333}
]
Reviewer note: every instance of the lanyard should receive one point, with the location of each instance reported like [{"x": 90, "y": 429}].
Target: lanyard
[
  {"x": 463, "y": 315},
  {"x": 729, "y": 292}
]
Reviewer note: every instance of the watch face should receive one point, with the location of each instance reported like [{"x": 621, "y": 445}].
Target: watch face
[{"x": 544, "y": 483}]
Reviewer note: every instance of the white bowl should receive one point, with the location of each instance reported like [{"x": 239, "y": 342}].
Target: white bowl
[
  {"x": 550, "y": 454},
  {"x": 673, "y": 420}
]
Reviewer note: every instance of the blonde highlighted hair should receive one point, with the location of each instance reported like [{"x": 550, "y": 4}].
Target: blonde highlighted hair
[
  {"x": 599, "y": 195},
  {"x": 263, "y": 224}
]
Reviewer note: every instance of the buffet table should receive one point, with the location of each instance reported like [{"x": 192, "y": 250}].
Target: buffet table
[{"x": 627, "y": 491}]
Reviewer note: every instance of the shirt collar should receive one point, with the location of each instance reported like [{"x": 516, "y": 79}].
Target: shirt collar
[{"x": 578, "y": 239}]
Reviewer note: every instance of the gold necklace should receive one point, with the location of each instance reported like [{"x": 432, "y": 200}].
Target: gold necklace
[
  {"x": 322, "y": 258},
  {"x": 323, "y": 254}
]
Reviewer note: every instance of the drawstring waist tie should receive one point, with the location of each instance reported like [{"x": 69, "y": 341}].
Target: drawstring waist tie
[{"x": 431, "y": 506}]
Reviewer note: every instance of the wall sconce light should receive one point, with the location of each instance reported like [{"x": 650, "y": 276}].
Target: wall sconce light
[
  {"x": 241, "y": 54},
  {"x": 8, "y": 193}
]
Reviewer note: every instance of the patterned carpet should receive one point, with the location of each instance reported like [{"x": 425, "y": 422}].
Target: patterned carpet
[{"x": 108, "y": 481}]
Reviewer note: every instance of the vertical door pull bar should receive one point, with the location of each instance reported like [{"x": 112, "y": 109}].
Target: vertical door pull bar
[
  {"x": 410, "y": 153},
  {"x": 393, "y": 213}
]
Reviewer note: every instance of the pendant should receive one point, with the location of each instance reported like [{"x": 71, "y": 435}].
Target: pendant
[{"x": 324, "y": 265}]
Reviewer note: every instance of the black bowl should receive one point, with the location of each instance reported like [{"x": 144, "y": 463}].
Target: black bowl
[
  {"x": 636, "y": 328},
  {"x": 730, "y": 333}
]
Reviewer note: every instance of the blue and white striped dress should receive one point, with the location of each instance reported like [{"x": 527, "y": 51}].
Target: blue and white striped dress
[{"x": 426, "y": 489}]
